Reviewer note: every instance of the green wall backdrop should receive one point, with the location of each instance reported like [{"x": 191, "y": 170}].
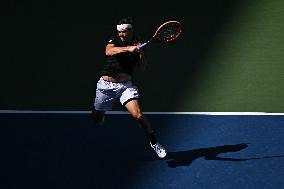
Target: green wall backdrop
[{"x": 229, "y": 58}]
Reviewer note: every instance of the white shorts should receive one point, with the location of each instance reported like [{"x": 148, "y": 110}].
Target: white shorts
[{"x": 107, "y": 92}]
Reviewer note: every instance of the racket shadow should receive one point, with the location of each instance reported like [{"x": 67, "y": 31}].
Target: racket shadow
[{"x": 185, "y": 158}]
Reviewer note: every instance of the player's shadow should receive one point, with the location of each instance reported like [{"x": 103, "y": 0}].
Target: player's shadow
[{"x": 185, "y": 158}]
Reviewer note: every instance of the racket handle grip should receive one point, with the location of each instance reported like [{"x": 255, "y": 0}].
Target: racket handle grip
[{"x": 143, "y": 45}]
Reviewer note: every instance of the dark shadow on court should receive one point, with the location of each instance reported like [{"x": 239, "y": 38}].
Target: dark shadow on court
[{"x": 185, "y": 158}]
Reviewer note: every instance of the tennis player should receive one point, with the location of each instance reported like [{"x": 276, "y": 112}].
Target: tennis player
[{"x": 123, "y": 55}]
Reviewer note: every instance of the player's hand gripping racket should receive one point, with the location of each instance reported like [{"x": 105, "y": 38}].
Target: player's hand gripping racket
[{"x": 167, "y": 32}]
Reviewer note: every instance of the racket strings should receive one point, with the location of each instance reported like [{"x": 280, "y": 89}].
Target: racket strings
[{"x": 169, "y": 32}]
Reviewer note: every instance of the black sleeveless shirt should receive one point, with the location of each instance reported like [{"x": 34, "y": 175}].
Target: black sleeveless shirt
[{"x": 122, "y": 62}]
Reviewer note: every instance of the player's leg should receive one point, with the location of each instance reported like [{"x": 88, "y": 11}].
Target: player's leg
[
  {"x": 134, "y": 109},
  {"x": 98, "y": 116},
  {"x": 105, "y": 97}
]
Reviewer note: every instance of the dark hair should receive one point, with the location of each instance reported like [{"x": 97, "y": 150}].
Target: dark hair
[{"x": 127, "y": 20}]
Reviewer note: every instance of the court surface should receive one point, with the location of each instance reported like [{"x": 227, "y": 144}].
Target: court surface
[{"x": 66, "y": 150}]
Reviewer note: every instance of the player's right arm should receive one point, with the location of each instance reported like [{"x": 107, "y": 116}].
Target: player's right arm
[{"x": 111, "y": 49}]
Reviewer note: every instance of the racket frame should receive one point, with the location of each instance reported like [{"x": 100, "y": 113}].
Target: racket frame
[{"x": 158, "y": 30}]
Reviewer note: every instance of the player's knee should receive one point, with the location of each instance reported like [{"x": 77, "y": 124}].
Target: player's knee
[
  {"x": 98, "y": 117},
  {"x": 137, "y": 115}
]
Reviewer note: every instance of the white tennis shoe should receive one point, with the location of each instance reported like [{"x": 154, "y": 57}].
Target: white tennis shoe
[{"x": 161, "y": 152}]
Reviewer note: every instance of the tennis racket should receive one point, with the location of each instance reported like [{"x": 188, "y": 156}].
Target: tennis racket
[{"x": 166, "y": 32}]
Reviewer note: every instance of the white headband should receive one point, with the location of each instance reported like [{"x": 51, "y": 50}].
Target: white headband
[{"x": 123, "y": 27}]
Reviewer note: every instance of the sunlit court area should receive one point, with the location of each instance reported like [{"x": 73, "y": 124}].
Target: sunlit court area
[{"x": 213, "y": 95}]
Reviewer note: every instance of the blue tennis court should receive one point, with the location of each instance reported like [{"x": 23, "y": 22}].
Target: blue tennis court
[{"x": 66, "y": 150}]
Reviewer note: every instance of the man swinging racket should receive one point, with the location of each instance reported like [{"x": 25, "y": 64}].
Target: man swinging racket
[{"x": 123, "y": 55}]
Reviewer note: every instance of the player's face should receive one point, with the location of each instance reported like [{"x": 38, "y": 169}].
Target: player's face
[{"x": 124, "y": 35}]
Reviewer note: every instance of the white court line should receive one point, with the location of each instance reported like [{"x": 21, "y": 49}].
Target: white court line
[{"x": 125, "y": 112}]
